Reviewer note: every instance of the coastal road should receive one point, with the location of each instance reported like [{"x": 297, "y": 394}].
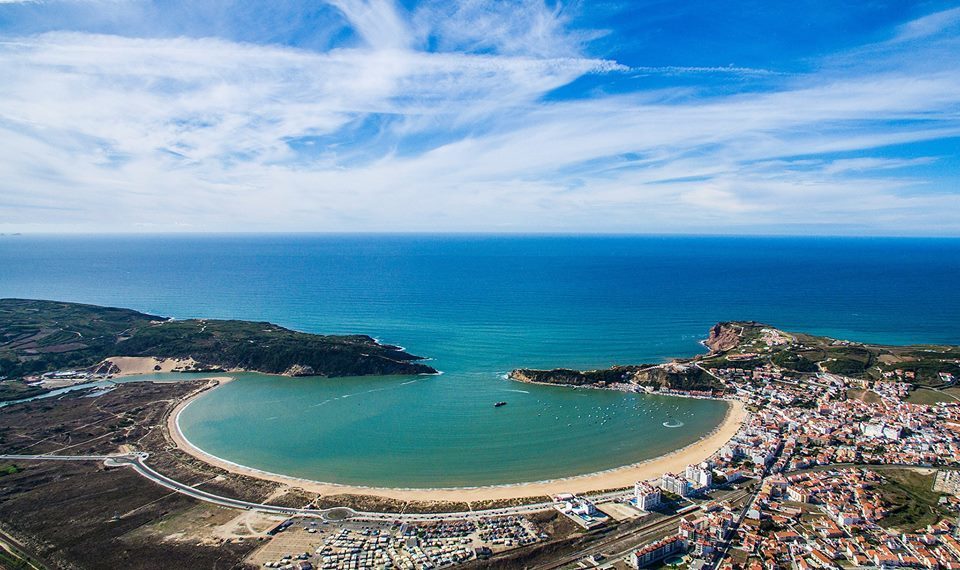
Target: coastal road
[
  {"x": 137, "y": 462},
  {"x": 48, "y": 457}
]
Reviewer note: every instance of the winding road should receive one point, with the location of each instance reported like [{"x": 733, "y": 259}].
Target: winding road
[{"x": 137, "y": 461}]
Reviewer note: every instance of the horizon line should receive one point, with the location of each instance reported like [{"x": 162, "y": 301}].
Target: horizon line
[{"x": 277, "y": 233}]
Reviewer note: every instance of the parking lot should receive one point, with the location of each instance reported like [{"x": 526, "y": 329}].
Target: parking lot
[
  {"x": 357, "y": 545},
  {"x": 293, "y": 542}
]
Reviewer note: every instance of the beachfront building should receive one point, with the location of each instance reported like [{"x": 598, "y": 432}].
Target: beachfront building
[
  {"x": 579, "y": 509},
  {"x": 700, "y": 476},
  {"x": 647, "y": 496},
  {"x": 656, "y": 552},
  {"x": 673, "y": 483}
]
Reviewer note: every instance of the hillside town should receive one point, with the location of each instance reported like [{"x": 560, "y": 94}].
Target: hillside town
[
  {"x": 809, "y": 460},
  {"x": 813, "y": 449}
]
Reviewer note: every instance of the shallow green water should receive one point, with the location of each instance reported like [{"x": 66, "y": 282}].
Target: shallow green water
[{"x": 428, "y": 431}]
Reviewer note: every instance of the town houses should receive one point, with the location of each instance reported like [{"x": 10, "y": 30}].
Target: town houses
[
  {"x": 807, "y": 446},
  {"x": 798, "y": 424}
]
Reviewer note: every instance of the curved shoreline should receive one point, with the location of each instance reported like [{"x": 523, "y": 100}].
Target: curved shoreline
[{"x": 617, "y": 477}]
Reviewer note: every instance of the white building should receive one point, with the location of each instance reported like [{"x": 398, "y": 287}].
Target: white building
[
  {"x": 892, "y": 432},
  {"x": 881, "y": 430},
  {"x": 675, "y": 484},
  {"x": 579, "y": 509},
  {"x": 702, "y": 478},
  {"x": 732, "y": 475},
  {"x": 872, "y": 430},
  {"x": 760, "y": 457},
  {"x": 647, "y": 496}
]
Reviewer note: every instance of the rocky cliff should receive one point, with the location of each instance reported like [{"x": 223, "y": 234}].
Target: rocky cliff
[
  {"x": 677, "y": 375},
  {"x": 723, "y": 336}
]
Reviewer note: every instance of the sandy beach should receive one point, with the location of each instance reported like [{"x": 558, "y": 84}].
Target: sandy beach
[{"x": 609, "y": 479}]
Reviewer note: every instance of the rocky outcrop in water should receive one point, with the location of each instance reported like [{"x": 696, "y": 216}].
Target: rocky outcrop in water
[{"x": 299, "y": 370}]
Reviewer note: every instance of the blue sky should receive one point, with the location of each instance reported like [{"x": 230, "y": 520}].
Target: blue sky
[{"x": 804, "y": 117}]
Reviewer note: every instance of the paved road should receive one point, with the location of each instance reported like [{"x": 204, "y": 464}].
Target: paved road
[
  {"x": 732, "y": 532},
  {"x": 46, "y": 457},
  {"x": 137, "y": 461}
]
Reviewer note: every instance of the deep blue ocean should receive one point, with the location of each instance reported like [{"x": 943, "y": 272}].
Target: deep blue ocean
[
  {"x": 543, "y": 300},
  {"x": 481, "y": 305}
]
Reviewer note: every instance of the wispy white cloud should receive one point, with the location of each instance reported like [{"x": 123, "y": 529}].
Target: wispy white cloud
[
  {"x": 726, "y": 70},
  {"x": 378, "y": 22},
  {"x": 928, "y": 25},
  {"x": 523, "y": 27},
  {"x": 101, "y": 132}
]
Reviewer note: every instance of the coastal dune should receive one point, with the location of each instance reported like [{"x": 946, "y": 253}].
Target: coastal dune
[
  {"x": 613, "y": 478},
  {"x": 133, "y": 365}
]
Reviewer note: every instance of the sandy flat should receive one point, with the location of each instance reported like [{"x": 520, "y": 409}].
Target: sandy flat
[
  {"x": 610, "y": 479},
  {"x": 131, "y": 365}
]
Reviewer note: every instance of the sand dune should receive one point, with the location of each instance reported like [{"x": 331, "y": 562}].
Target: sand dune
[{"x": 130, "y": 365}]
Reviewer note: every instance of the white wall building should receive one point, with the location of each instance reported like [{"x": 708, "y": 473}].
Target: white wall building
[
  {"x": 647, "y": 496},
  {"x": 880, "y": 430},
  {"x": 702, "y": 478},
  {"x": 675, "y": 484}
]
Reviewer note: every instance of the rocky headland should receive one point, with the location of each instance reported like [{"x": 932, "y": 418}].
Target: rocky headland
[
  {"x": 751, "y": 345},
  {"x": 38, "y": 337}
]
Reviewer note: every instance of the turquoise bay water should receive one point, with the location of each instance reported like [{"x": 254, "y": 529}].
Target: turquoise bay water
[
  {"x": 480, "y": 306},
  {"x": 436, "y": 431}
]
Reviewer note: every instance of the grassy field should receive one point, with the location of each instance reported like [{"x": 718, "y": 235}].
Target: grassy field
[
  {"x": 868, "y": 396},
  {"x": 953, "y": 391},
  {"x": 16, "y": 390},
  {"x": 915, "y": 502},
  {"x": 927, "y": 396}
]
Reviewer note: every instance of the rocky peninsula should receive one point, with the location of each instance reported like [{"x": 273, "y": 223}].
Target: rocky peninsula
[{"x": 751, "y": 345}]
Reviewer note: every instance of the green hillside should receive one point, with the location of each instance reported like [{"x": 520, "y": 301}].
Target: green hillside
[{"x": 41, "y": 336}]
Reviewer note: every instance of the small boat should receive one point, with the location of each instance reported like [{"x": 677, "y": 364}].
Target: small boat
[{"x": 499, "y": 404}]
